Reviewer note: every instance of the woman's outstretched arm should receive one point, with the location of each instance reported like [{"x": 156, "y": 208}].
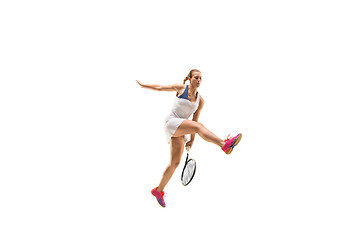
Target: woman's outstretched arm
[{"x": 174, "y": 87}]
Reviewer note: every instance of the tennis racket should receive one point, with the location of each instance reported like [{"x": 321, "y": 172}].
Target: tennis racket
[{"x": 189, "y": 169}]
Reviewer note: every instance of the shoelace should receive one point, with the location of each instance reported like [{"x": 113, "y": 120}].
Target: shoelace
[
  {"x": 228, "y": 138},
  {"x": 162, "y": 193}
]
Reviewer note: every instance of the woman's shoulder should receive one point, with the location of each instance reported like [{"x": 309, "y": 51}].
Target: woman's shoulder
[{"x": 180, "y": 86}]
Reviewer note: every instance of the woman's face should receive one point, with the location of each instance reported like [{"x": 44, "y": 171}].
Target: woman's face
[{"x": 196, "y": 79}]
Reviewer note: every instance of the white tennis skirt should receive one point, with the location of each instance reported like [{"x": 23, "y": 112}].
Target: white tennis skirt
[{"x": 171, "y": 124}]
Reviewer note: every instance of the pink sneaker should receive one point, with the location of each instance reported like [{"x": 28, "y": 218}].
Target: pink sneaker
[
  {"x": 159, "y": 196},
  {"x": 230, "y": 143}
]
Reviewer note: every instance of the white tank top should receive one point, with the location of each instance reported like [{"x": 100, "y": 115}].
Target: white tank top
[{"x": 182, "y": 107}]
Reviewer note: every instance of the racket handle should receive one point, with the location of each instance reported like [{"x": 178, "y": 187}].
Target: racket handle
[{"x": 188, "y": 148}]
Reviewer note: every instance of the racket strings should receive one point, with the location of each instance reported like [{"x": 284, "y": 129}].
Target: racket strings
[{"x": 189, "y": 171}]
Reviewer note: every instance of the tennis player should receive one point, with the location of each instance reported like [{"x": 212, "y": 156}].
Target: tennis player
[{"x": 178, "y": 127}]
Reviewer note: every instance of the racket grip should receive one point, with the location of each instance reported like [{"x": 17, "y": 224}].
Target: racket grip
[{"x": 188, "y": 148}]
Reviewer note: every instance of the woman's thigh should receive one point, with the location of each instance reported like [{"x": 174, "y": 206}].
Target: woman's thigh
[
  {"x": 187, "y": 127},
  {"x": 176, "y": 149}
]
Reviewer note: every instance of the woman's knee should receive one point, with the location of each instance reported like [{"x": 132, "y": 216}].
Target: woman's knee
[
  {"x": 198, "y": 126},
  {"x": 175, "y": 164},
  {"x": 175, "y": 161}
]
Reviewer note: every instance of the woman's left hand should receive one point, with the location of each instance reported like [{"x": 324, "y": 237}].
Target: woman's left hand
[{"x": 139, "y": 83}]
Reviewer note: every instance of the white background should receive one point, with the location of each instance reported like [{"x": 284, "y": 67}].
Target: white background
[{"x": 82, "y": 144}]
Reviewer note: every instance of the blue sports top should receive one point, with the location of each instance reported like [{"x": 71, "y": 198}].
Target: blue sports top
[{"x": 185, "y": 94}]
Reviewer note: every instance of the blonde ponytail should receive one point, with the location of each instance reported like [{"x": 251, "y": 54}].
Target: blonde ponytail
[{"x": 187, "y": 78}]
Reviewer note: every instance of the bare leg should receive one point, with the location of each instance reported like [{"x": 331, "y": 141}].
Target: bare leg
[
  {"x": 190, "y": 127},
  {"x": 176, "y": 151}
]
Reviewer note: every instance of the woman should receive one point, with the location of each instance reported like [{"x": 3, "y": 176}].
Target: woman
[{"x": 177, "y": 125}]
